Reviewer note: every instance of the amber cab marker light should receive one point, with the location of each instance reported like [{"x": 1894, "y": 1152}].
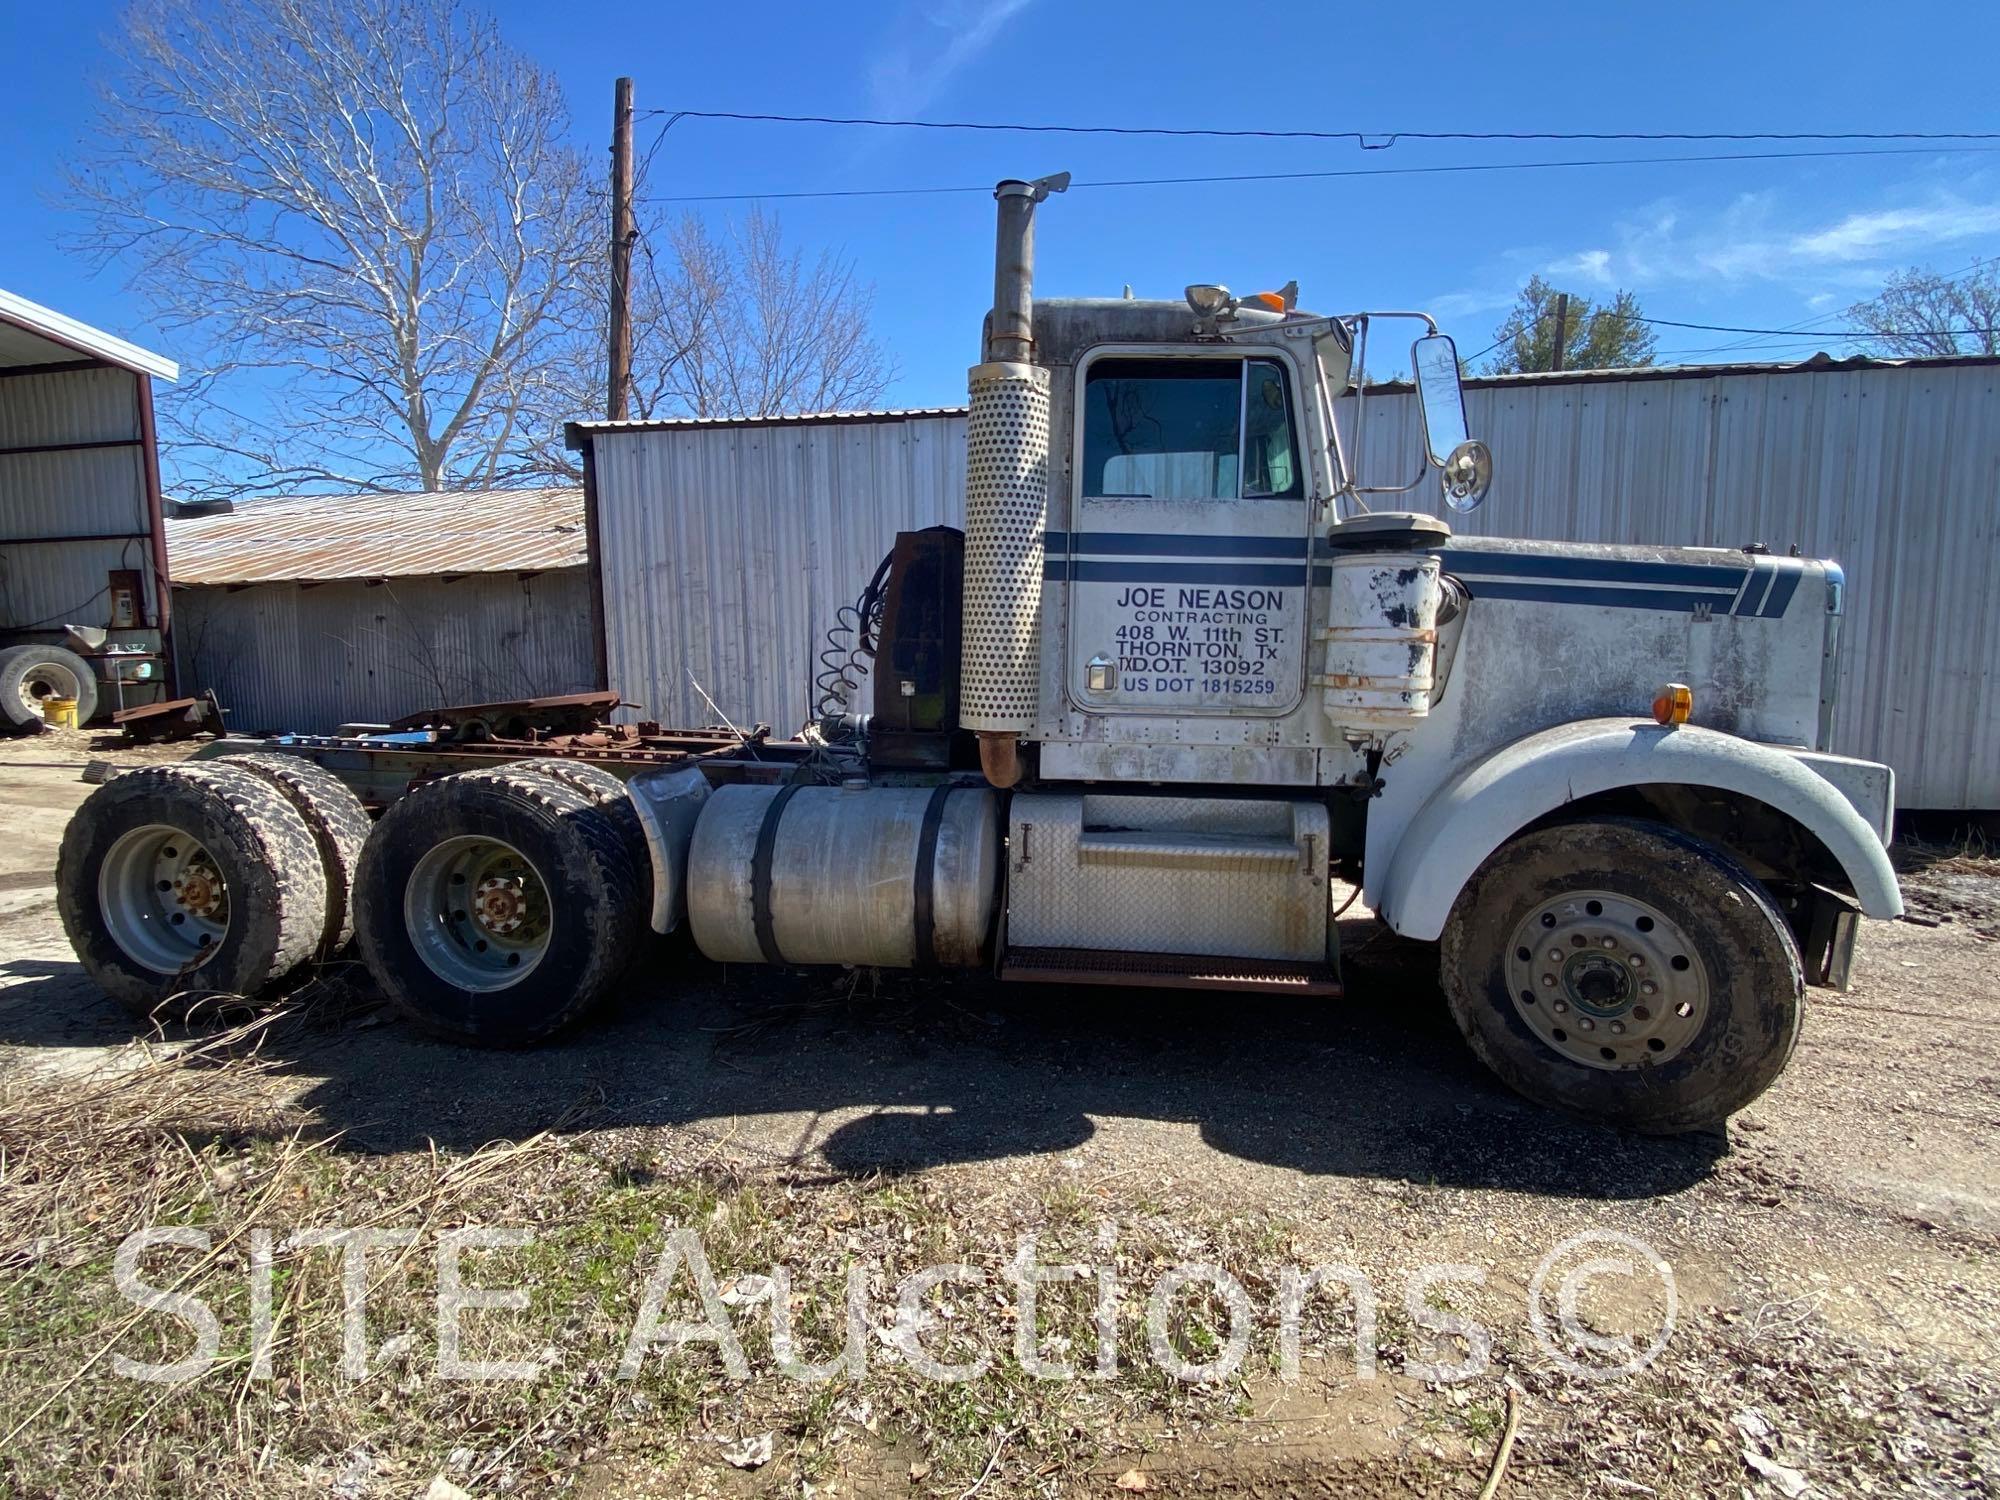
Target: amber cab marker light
[{"x": 1674, "y": 705}]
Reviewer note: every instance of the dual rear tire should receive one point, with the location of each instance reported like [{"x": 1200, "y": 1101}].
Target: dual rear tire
[
  {"x": 497, "y": 907},
  {"x": 493, "y": 907},
  {"x": 209, "y": 879}
]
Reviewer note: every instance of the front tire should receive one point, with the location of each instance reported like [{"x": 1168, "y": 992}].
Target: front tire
[{"x": 1624, "y": 971}]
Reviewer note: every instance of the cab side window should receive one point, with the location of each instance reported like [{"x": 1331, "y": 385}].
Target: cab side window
[{"x": 1188, "y": 429}]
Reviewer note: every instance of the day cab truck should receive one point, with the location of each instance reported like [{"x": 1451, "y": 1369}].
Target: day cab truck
[{"x": 1181, "y": 681}]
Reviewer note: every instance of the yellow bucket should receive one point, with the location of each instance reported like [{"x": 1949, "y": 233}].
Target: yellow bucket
[{"x": 59, "y": 712}]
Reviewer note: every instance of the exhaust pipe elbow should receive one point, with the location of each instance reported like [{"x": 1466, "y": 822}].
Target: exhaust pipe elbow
[{"x": 1000, "y": 758}]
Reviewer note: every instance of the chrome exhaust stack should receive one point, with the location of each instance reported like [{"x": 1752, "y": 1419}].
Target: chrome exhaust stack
[{"x": 1006, "y": 499}]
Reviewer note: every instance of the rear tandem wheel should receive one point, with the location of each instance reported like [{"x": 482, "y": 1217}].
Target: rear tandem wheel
[
  {"x": 186, "y": 881},
  {"x": 497, "y": 906}
]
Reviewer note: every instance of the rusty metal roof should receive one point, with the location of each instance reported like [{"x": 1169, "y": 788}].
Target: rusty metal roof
[
  {"x": 576, "y": 433},
  {"x": 318, "y": 537}
]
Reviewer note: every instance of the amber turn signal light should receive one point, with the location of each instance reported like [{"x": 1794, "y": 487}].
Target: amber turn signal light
[{"x": 1674, "y": 705}]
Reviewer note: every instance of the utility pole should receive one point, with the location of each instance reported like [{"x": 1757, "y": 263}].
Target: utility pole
[
  {"x": 1562, "y": 327},
  {"x": 623, "y": 233}
]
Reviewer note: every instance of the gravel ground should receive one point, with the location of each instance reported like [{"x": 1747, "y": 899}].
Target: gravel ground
[{"x": 1833, "y": 1252}]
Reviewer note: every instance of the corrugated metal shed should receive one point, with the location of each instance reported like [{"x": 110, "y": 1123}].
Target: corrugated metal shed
[
  {"x": 31, "y": 334},
  {"x": 79, "y": 484},
  {"x": 291, "y": 656},
  {"x": 727, "y": 547},
  {"x": 1891, "y": 469},
  {"x": 373, "y": 535}
]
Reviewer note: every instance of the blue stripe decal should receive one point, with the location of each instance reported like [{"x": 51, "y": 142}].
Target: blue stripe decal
[
  {"x": 1170, "y": 544},
  {"x": 1265, "y": 575},
  {"x": 1757, "y": 589},
  {"x": 1719, "y": 576},
  {"x": 1682, "y": 600},
  {"x": 1781, "y": 594},
  {"x": 1761, "y": 589}
]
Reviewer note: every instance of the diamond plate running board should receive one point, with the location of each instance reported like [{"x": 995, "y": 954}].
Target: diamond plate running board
[{"x": 1181, "y": 971}]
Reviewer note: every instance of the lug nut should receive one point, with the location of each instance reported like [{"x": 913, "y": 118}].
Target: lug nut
[
  {"x": 1562, "y": 1007},
  {"x": 1548, "y": 981},
  {"x": 1618, "y": 1028},
  {"x": 1584, "y": 1023},
  {"x": 1637, "y": 961},
  {"x": 1555, "y": 955},
  {"x": 1647, "y": 987},
  {"x": 1609, "y": 942}
]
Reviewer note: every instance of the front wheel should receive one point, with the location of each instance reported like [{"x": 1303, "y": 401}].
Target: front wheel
[{"x": 1623, "y": 970}]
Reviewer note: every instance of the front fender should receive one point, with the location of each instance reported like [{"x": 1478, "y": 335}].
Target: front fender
[{"x": 1488, "y": 802}]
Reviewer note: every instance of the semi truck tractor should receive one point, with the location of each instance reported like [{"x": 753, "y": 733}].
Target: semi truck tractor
[{"x": 1182, "y": 682}]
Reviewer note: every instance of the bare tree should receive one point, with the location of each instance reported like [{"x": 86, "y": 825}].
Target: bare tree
[
  {"x": 743, "y": 327},
  {"x": 732, "y": 323},
  {"x": 370, "y": 204},
  {"x": 1921, "y": 312}
]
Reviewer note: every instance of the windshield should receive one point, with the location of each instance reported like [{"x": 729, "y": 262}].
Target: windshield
[{"x": 1189, "y": 429}]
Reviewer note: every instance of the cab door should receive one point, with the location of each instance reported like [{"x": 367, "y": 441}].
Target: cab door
[{"x": 1187, "y": 561}]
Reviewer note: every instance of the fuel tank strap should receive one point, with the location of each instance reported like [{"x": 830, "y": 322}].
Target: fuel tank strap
[
  {"x": 925, "y": 914},
  {"x": 760, "y": 873}
]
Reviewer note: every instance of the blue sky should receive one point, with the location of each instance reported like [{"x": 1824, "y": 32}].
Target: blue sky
[{"x": 1769, "y": 243}]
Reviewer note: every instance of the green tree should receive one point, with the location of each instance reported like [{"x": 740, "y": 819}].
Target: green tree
[{"x": 1594, "y": 338}]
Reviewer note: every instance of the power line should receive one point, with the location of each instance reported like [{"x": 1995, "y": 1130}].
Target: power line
[
  {"x": 1368, "y": 140},
  {"x": 1779, "y": 335},
  {"x": 1459, "y": 167},
  {"x": 1829, "y": 333}
]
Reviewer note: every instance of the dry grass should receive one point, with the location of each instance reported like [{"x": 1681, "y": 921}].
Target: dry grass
[
  {"x": 1970, "y": 853},
  {"x": 205, "y": 1134}
]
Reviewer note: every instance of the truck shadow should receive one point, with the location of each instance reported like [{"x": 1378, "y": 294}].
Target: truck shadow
[{"x": 852, "y": 1075}]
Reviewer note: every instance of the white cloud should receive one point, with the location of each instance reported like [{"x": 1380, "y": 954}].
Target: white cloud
[
  {"x": 1591, "y": 265},
  {"x": 1753, "y": 238},
  {"x": 928, "y": 44},
  {"x": 1451, "y": 306},
  {"x": 1871, "y": 235}
]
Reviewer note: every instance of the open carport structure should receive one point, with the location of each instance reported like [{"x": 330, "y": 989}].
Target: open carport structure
[{"x": 84, "y": 607}]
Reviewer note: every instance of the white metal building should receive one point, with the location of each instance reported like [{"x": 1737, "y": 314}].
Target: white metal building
[
  {"x": 308, "y": 612},
  {"x": 724, "y": 548},
  {"x": 80, "y": 537}
]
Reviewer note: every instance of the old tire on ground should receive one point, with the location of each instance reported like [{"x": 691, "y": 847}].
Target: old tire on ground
[
  {"x": 340, "y": 826},
  {"x": 496, "y": 907},
  {"x": 1624, "y": 971},
  {"x": 179, "y": 883},
  {"x": 30, "y": 675}
]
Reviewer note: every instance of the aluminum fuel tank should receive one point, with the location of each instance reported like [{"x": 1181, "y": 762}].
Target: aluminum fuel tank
[{"x": 897, "y": 877}]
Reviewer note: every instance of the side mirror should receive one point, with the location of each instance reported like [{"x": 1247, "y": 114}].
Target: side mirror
[{"x": 1466, "y": 465}]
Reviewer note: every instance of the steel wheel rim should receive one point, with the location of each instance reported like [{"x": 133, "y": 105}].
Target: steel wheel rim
[
  {"x": 478, "y": 913},
  {"x": 44, "y": 681},
  {"x": 163, "y": 899},
  {"x": 1607, "y": 981}
]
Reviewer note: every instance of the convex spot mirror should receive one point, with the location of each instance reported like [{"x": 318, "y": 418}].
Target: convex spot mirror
[{"x": 1465, "y": 466}]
